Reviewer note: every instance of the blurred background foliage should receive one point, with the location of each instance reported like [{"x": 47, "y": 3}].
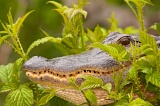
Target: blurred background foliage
[{"x": 50, "y": 21}]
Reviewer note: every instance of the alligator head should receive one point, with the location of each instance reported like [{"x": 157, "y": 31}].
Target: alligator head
[{"x": 56, "y": 72}]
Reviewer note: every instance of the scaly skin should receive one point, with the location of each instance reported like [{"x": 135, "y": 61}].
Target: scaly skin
[{"x": 56, "y": 72}]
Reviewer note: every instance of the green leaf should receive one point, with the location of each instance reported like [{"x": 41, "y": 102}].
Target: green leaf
[
  {"x": 107, "y": 87},
  {"x": 156, "y": 27},
  {"x": 147, "y": 39},
  {"x": 10, "y": 74},
  {"x": 46, "y": 34},
  {"x": 139, "y": 102},
  {"x": 72, "y": 12},
  {"x": 91, "y": 82},
  {"x": 122, "y": 102},
  {"x": 5, "y": 73},
  {"x": 140, "y": 1},
  {"x": 91, "y": 36},
  {"x": 154, "y": 78},
  {"x": 58, "y": 5},
  {"x": 9, "y": 86},
  {"x": 107, "y": 48},
  {"x": 73, "y": 83},
  {"x": 143, "y": 63},
  {"x": 96, "y": 36},
  {"x": 90, "y": 95},
  {"x": 3, "y": 38},
  {"x": 47, "y": 97},
  {"x": 23, "y": 96},
  {"x": 147, "y": 2},
  {"x": 6, "y": 88},
  {"x": 130, "y": 30},
  {"x": 18, "y": 23},
  {"x": 41, "y": 41},
  {"x": 67, "y": 40},
  {"x": 10, "y": 19},
  {"x": 133, "y": 74},
  {"x": 117, "y": 51},
  {"x": 56, "y": 101}
]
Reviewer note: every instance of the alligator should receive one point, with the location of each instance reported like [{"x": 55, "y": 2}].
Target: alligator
[{"x": 56, "y": 72}]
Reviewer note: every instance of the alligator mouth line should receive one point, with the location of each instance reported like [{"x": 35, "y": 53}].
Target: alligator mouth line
[{"x": 54, "y": 78}]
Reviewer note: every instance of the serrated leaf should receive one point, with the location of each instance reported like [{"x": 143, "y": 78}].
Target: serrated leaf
[
  {"x": 139, "y": 102},
  {"x": 41, "y": 41},
  {"x": 147, "y": 39},
  {"x": 47, "y": 97},
  {"x": 143, "y": 63},
  {"x": 5, "y": 88},
  {"x": 151, "y": 59},
  {"x": 9, "y": 86},
  {"x": 91, "y": 82},
  {"x": 18, "y": 23},
  {"x": 124, "y": 83},
  {"x": 107, "y": 48},
  {"x": 98, "y": 34},
  {"x": 23, "y": 96},
  {"x": 5, "y": 73},
  {"x": 71, "y": 12},
  {"x": 16, "y": 70},
  {"x": 133, "y": 74},
  {"x": 107, "y": 87},
  {"x": 123, "y": 56},
  {"x": 117, "y": 51},
  {"x": 91, "y": 36},
  {"x": 154, "y": 78},
  {"x": 89, "y": 94}
]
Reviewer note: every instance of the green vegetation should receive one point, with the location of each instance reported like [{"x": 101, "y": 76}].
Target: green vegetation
[{"x": 74, "y": 40}]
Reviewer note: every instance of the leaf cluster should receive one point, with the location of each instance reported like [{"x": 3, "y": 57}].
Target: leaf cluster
[{"x": 143, "y": 73}]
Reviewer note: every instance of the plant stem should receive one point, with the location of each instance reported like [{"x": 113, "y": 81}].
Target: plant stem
[{"x": 89, "y": 104}]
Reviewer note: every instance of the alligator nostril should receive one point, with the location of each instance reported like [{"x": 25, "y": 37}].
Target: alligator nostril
[{"x": 70, "y": 75}]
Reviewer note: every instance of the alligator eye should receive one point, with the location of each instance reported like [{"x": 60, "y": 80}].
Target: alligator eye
[{"x": 124, "y": 41}]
